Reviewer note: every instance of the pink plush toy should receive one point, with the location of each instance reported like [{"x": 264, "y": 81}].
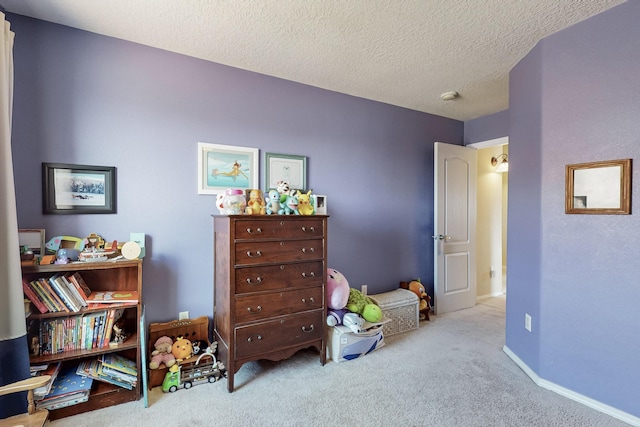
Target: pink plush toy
[
  {"x": 337, "y": 289},
  {"x": 162, "y": 353}
]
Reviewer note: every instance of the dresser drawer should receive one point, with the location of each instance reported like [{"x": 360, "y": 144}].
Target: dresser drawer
[
  {"x": 249, "y": 253},
  {"x": 259, "y": 307},
  {"x": 279, "y": 229},
  {"x": 270, "y": 277},
  {"x": 279, "y": 334}
]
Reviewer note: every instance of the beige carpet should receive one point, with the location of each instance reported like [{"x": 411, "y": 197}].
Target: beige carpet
[{"x": 450, "y": 372}]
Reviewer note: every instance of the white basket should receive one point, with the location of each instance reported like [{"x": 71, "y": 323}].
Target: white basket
[{"x": 401, "y": 306}]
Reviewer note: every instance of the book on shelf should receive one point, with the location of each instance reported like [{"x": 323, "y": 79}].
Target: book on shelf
[
  {"x": 119, "y": 363},
  {"x": 67, "y": 389},
  {"x": 46, "y": 299},
  {"x": 113, "y": 297},
  {"x": 93, "y": 369},
  {"x": 80, "y": 285},
  {"x": 31, "y": 294},
  {"x": 63, "y": 292},
  {"x": 51, "y": 369},
  {"x": 75, "y": 294},
  {"x": 53, "y": 295}
]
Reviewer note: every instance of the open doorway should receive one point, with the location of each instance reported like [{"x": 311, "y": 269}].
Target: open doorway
[{"x": 491, "y": 220}]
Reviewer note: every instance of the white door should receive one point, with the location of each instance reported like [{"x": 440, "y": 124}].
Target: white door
[{"x": 454, "y": 227}]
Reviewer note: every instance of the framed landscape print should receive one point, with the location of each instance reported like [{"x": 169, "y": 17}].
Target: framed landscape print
[{"x": 78, "y": 189}]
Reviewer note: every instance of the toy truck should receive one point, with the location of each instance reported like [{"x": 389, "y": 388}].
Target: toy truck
[{"x": 188, "y": 375}]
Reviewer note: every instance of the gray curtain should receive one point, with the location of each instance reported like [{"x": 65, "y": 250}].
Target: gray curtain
[{"x": 14, "y": 354}]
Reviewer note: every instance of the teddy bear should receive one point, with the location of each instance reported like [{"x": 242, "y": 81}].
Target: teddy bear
[
  {"x": 364, "y": 306},
  {"x": 425, "y": 300},
  {"x": 162, "y": 353}
]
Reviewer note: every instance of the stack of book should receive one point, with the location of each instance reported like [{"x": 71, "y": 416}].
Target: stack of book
[
  {"x": 80, "y": 332},
  {"x": 67, "y": 389},
  {"x": 52, "y": 369},
  {"x": 58, "y": 293},
  {"x": 111, "y": 368},
  {"x": 69, "y": 293}
]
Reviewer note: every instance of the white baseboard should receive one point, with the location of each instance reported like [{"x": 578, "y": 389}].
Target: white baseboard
[
  {"x": 587, "y": 401},
  {"x": 492, "y": 295}
]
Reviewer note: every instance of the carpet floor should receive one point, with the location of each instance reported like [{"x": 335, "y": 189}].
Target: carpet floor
[{"x": 451, "y": 371}]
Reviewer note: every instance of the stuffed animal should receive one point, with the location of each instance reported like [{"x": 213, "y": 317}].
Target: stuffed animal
[
  {"x": 255, "y": 205},
  {"x": 162, "y": 353},
  {"x": 334, "y": 317},
  {"x": 283, "y": 189},
  {"x": 182, "y": 349},
  {"x": 305, "y": 205},
  {"x": 425, "y": 300},
  {"x": 199, "y": 346},
  {"x": 273, "y": 202},
  {"x": 289, "y": 206},
  {"x": 337, "y": 289},
  {"x": 363, "y": 305}
]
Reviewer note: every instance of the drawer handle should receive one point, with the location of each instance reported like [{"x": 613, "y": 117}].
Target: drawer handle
[
  {"x": 307, "y": 330},
  {"x": 256, "y": 231},
  {"x": 258, "y": 337},
  {"x": 312, "y": 274},
  {"x": 312, "y": 229},
  {"x": 254, "y": 255},
  {"x": 311, "y": 300},
  {"x": 257, "y": 310},
  {"x": 254, "y": 282},
  {"x": 311, "y": 250}
]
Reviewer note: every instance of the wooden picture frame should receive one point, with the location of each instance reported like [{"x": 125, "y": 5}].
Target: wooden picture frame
[
  {"x": 78, "y": 189},
  {"x": 285, "y": 167},
  {"x": 602, "y": 188},
  {"x": 226, "y": 166}
]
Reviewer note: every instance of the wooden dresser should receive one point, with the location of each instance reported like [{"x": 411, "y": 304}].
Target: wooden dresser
[{"x": 269, "y": 287}]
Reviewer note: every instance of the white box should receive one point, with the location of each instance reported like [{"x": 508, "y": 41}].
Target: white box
[
  {"x": 401, "y": 305},
  {"x": 342, "y": 344}
]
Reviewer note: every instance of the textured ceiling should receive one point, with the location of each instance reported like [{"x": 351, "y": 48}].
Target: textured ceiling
[{"x": 401, "y": 52}]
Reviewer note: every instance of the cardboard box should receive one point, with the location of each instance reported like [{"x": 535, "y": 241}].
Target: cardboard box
[{"x": 345, "y": 345}]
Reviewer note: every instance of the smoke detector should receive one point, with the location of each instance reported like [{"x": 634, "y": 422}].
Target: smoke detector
[{"x": 449, "y": 96}]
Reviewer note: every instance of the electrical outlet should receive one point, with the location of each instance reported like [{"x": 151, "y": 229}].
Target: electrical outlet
[
  {"x": 527, "y": 322},
  {"x": 492, "y": 272},
  {"x": 363, "y": 289},
  {"x": 183, "y": 315}
]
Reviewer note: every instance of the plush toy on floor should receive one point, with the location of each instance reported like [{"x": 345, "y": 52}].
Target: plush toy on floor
[
  {"x": 162, "y": 353},
  {"x": 364, "y": 306},
  {"x": 425, "y": 300},
  {"x": 337, "y": 289}
]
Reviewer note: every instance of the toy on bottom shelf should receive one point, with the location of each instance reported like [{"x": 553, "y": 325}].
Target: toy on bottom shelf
[
  {"x": 363, "y": 305},
  {"x": 335, "y": 317},
  {"x": 162, "y": 353},
  {"x": 182, "y": 349},
  {"x": 206, "y": 367},
  {"x": 425, "y": 300}
]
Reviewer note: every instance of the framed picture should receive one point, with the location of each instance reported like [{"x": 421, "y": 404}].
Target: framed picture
[
  {"x": 320, "y": 204},
  {"x": 226, "y": 166},
  {"x": 33, "y": 239},
  {"x": 282, "y": 167},
  {"x": 78, "y": 189},
  {"x": 598, "y": 188}
]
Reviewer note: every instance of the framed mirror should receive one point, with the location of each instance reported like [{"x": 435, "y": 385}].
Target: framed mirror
[{"x": 599, "y": 188}]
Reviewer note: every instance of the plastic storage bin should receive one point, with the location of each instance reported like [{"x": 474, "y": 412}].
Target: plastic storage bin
[
  {"x": 344, "y": 345},
  {"x": 401, "y": 306}
]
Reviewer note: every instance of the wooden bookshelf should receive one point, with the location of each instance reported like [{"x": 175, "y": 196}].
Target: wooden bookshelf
[{"x": 125, "y": 275}]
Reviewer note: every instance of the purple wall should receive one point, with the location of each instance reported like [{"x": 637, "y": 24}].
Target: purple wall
[
  {"x": 486, "y": 128},
  {"x": 574, "y": 99},
  {"x": 88, "y": 99}
]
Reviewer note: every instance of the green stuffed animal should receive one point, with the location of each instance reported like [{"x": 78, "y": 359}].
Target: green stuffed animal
[{"x": 364, "y": 306}]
